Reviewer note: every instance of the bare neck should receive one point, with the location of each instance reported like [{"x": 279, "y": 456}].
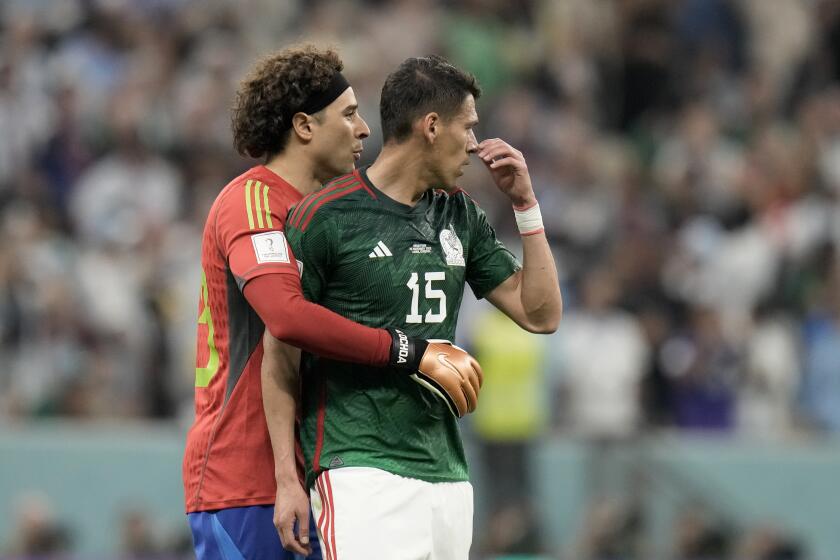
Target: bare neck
[
  {"x": 296, "y": 168},
  {"x": 400, "y": 172}
]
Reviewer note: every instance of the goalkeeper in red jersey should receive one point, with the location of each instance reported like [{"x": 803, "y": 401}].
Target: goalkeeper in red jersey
[
  {"x": 297, "y": 112},
  {"x": 394, "y": 244}
]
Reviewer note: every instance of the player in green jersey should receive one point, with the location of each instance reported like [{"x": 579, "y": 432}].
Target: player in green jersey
[{"x": 394, "y": 244}]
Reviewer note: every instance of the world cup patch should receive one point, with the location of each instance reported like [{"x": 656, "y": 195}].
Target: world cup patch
[
  {"x": 453, "y": 250},
  {"x": 270, "y": 246}
]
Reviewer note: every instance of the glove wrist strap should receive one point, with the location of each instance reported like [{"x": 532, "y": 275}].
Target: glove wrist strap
[{"x": 406, "y": 351}]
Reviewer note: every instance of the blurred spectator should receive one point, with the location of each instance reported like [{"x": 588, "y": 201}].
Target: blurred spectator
[
  {"x": 127, "y": 195},
  {"x": 699, "y": 536},
  {"x": 66, "y": 154},
  {"x": 768, "y": 543},
  {"x": 611, "y": 530},
  {"x": 821, "y": 391},
  {"x": 697, "y": 168},
  {"x": 513, "y": 415},
  {"x": 704, "y": 369},
  {"x": 37, "y": 533},
  {"x": 599, "y": 357},
  {"x": 772, "y": 377},
  {"x": 511, "y": 533},
  {"x": 648, "y": 86},
  {"x": 137, "y": 539},
  {"x": 514, "y": 409}
]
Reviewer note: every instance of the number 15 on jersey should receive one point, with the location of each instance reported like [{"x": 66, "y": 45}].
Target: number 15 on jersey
[{"x": 431, "y": 294}]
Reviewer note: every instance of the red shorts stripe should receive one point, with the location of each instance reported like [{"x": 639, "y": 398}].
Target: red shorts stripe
[
  {"x": 332, "y": 515},
  {"x": 323, "y": 506},
  {"x": 324, "y": 520}
]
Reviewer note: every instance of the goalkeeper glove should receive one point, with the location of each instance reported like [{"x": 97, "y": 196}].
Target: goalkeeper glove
[{"x": 441, "y": 367}]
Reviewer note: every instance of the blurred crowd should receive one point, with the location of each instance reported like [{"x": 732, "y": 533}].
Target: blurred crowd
[{"x": 686, "y": 155}]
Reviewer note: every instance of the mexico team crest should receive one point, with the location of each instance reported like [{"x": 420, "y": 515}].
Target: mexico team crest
[{"x": 452, "y": 248}]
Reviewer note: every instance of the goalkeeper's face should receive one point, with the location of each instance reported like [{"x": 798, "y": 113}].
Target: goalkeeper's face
[
  {"x": 454, "y": 143},
  {"x": 337, "y": 137}
]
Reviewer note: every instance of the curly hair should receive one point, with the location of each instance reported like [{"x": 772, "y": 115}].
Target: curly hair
[{"x": 271, "y": 93}]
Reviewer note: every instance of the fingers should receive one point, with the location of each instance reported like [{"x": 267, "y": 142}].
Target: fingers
[
  {"x": 500, "y": 150},
  {"x": 469, "y": 377},
  {"x": 284, "y": 521},
  {"x": 303, "y": 528},
  {"x": 478, "y": 371},
  {"x": 490, "y": 143},
  {"x": 291, "y": 542},
  {"x": 470, "y": 394},
  {"x": 489, "y": 150},
  {"x": 495, "y": 164},
  {"x": 461, "y": 401},
  {"x": 288, "y": 538}
]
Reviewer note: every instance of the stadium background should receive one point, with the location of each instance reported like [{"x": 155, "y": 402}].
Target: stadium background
[{"x": 686, "y": 154}]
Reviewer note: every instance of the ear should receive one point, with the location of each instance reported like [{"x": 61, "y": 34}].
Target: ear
[
  {"x": 430, "y": 127},
  {"x": 302, "y": 126}
]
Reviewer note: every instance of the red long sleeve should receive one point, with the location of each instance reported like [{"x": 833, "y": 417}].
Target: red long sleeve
[{"x": 288, "y": 316}]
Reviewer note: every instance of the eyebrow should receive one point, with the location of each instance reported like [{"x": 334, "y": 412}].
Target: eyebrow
[{"x": 350, "y": 108}]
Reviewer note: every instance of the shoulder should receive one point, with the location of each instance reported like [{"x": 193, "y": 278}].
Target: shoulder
[
  {"x": 235, "y": 185},
  {"x": 254, "y": 200},
  {"x": 229, "y": 206},
  {"x": 253, "y": 188},
  {"x": 343, "y": 191}
]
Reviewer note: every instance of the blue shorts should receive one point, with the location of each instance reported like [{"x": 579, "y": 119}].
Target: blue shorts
[{"x": 244, "y": 533}]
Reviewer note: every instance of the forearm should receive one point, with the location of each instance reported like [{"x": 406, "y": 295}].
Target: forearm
[
  {"x": 280, "y": 387},
  {"x": 539, "y": 290},
  {"x": 289, "y": 317}
]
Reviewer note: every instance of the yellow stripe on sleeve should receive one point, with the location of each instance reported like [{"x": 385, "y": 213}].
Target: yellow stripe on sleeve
[
  {"x": 259, "y": 204},
  {"x": 267, "y": 209},
  {"x": 248, "y": 204}
]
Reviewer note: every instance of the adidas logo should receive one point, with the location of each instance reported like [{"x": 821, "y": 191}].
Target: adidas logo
[{"x": 380, "y": 251}]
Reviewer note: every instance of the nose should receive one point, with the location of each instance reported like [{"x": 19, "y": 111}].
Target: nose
[
  {"x": 472, "y": 143},
  {"x": 362, "y": 130}
]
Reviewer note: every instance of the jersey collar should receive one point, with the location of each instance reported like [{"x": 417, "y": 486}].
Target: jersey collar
[{"x": 418, "y": 209}]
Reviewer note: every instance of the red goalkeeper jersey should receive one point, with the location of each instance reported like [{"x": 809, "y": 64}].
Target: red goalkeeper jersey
[{"x": 228, "y": 460}]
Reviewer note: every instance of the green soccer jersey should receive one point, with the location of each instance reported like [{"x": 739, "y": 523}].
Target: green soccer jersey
[{"x": 382, "y": 263}]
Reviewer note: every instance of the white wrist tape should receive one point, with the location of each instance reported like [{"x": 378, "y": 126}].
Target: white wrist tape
[{"x": 529, "y": 220}]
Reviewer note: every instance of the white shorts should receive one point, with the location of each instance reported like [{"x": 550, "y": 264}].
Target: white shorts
[{"x": 364, "y": 513}]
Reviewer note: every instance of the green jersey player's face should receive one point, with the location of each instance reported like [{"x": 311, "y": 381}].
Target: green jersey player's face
[
  {"x": 337, "y": 138},
  {"x": 456, "y": 142}
]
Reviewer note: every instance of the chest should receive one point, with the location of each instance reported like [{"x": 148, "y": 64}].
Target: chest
[{"x": 413, "y": 269}]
